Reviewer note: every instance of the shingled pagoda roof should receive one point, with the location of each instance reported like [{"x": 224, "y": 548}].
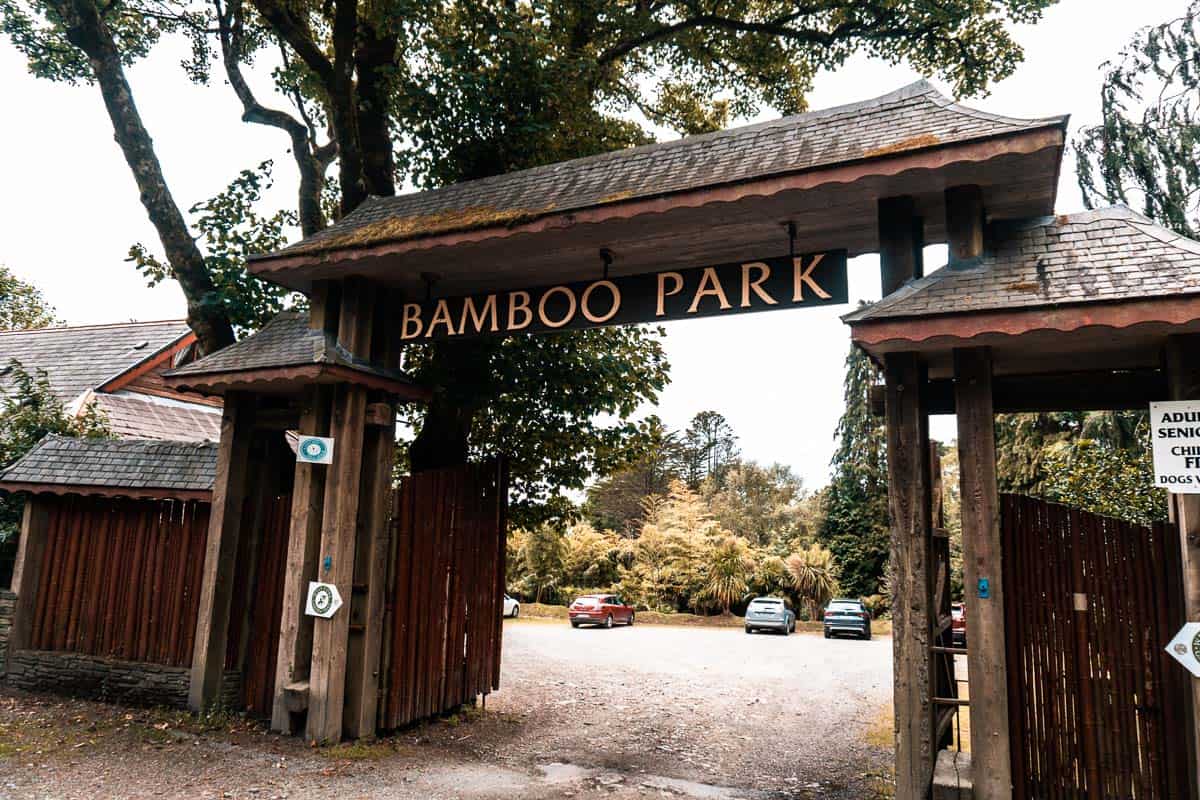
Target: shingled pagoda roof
[
  {"x": 705, "y": 199},
  {"x": 115, "y": 467},
  {"x": 912, "y": 118},
  {"x": 285, "y": 353}
]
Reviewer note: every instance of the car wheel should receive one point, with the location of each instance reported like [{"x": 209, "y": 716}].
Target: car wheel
[
  {"x": 631, "y": 615},
  {"x": 608, "y": 621},
  {"x": 828, "y": 635},
  {"x": 867, "y": 635},
  {"x": 516, "y": 611},
  {"x": 574, "y": 624},
  {"x": 786, "y": 629},
  {"x": 749, "y": 629},
  {"x": 793, "y": 626}
]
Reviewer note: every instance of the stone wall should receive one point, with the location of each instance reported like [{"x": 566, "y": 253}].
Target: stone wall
[
  {"x": 134, "y": 683},
  {"x": 7, "y": 601}
]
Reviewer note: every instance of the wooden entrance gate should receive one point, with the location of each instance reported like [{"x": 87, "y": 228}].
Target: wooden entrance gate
[
  {"x": 443, "y": 615},
  {"x": 1095, "y": 703}
]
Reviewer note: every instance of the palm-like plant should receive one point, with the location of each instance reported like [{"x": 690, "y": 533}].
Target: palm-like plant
[
  {"x": 814, "y": 575},
  {"x": 728, "y": 571}
]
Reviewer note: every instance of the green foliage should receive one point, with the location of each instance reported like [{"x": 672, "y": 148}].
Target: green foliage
[
  {"x": 1025, "y": 441},
  {"x": 231, "y": 230},
  {"x": 1146, "y": 151},
  {"x": 855, "y": 526},
  {"x": 618, "y": 501},
  {"x": 29, "y": 410},
  {"x": 814, "y": 575},
  {"x": 544, "y": 553},
  {"x": 558, "y": 405},
  {"x": 1113, "y": 481},
  {"x": 22, "y": 306},
  {"x": 593, "y": 558},
  {"x": 729, "y": 569},
  {"x": 710, "y": 449},
  {"x": 766, "y": 505}
]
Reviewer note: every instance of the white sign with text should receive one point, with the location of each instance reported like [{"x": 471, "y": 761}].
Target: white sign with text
[{"x": 1175, "y": 434}]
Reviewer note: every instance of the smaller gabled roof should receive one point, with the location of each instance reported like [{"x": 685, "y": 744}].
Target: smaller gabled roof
[
  {"x": 284, "y": 352},
  {"x": 115, "y": 467},
  {"x": 81, "y": 358},
  {"x": 1102, "y": 256},
  {"x": 148, "y": 417}
]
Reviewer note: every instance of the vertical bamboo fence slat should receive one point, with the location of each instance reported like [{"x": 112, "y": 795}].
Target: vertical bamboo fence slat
[
  {"x": 121, "y": 579},
  {"x": 1093, "y": 697},
  {"x": 442, "y": 620}
]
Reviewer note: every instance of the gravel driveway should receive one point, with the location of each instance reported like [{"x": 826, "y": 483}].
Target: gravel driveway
[{"x": 647, "y": 711}]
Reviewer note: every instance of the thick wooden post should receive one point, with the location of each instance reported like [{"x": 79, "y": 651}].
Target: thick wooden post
[
  {"x": 31, "y": 549},
  {"x": 304, "y": 539},
  {"x": 220, "y": 555},
  {"x": 909, "y": 503},
  {"x": 901, "y": 240},
  {"x": 987, "y": 669},
  {"x": 964, "y": 226},
  {"x": 1183, "y": 378},
  {"x": 340, "y": 521}
]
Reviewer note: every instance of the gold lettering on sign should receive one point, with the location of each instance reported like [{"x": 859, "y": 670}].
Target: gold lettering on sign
[
  {"x": 801, "y": 276},
  {"x": 662, "y": 295},
  {"x": 755, "y": 286},
  {"x": 570, "y": 307},
  {"x": 441, "y": 316},
  {"x": 710, "y": 280},
  {"x": 478, "y": 316},
  {"x": 612, "y": 311},
  {"x": 514, "y": 307},
  {"x": 412, "y": 316}
]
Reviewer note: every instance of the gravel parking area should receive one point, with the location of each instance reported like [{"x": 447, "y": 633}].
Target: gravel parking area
[{"x": 647, "y": 711}]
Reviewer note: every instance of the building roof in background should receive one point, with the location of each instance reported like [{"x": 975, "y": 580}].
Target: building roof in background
[
  {"x": 914, "y": 118},
  {"x": 1107, "y": 255},
  {"x": 81, "y": 358},
  {"x": 274, "y": 353},
  {"x": 147, "y": 417},
  {"x": 115, "y": 467}
]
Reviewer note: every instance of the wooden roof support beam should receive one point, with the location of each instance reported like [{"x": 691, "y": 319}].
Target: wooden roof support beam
[
  {"x": 220, "y": 555},
  {"x": 910, "y": 503},
  {"x": 965, "y": 217},
  {"x": 1131, "y": 390},
  {"x": 987, "y": 665},
  {"x": 304, "y": 538},
  {"x": 901, "y": 243},
  {"x": 1182, "y": 359}
]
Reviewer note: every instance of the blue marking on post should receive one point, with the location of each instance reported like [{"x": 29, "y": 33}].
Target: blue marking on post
[
  {"x": 328, "y": 563},
  {"x": 985, "y": 589}
]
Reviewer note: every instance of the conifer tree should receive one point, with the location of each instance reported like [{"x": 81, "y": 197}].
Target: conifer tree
[{"x": 855, "y": 528}]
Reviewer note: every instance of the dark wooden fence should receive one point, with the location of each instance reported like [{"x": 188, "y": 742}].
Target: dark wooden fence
[
  {"x": 121, "y": 578},
  {"x": 443, "y": 616},
  {"x": 1094, "y": 701},
  {"x": 257, "y": 607}
]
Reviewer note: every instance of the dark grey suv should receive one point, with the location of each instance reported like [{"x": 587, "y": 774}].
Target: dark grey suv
[{"x": 847, "y": 616}]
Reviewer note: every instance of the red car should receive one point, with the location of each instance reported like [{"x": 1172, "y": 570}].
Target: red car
[
  {"x": 599, "y": 609},
  {"x": 958, "y": 624}
]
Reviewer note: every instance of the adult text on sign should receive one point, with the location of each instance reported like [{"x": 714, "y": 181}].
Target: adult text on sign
[
  {"x": 813, "y": 279},
  {"x": 1175, "y": 434}
]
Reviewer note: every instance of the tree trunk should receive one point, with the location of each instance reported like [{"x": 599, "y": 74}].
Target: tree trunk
[
  {"x": 374, "y": 60},
  {"x": 206, "y": 316}
]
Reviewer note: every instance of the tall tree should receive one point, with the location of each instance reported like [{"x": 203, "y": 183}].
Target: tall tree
[
  {"x": 1146, "y": 152},
  {"x": 855, "y": 527},
  {"x": 711, "y": 448},
  {"x": 22, "y": 306},
  {"x": 87, "y": 40},
  {"x": 618, "y": 501}
]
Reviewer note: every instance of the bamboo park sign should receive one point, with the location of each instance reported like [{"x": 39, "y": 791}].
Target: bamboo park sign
[{"x": 805, "y": 281}]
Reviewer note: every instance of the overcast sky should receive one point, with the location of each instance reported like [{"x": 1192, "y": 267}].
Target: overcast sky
[{"x": 70, "y": 211}]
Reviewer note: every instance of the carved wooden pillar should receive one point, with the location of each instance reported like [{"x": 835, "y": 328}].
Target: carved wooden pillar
[
  {"x": 1183, "y": 380},
  {"x": 220, "y": 555},
  {"x": 909, "y": 504},
  {"x": 987, "y": 665}
]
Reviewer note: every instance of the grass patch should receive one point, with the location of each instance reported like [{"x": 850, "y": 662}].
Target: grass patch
[
  {"x": 880, "y": 627},
  {"x": 359, "y": 751},
  {"x": 881, "y": 732}
]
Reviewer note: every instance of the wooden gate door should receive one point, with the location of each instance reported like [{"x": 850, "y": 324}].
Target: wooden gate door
[
  {"x": 443, "y": 626},
  {"x": 1094, "y": 700}
]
